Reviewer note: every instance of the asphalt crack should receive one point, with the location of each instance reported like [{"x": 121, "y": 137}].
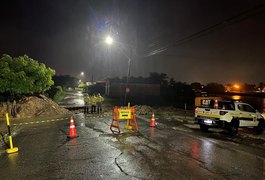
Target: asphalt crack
[{"x": 117, "y": 164}]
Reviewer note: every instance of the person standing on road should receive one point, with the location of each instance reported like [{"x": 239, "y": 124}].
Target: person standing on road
[
  {"x": 100, "y": 100},
  {"x": 87, "y": 103},
  {"x": 93, "y": 103}
]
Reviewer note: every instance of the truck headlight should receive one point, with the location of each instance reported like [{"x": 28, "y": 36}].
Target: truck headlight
[{"x": 208, "y": 121}]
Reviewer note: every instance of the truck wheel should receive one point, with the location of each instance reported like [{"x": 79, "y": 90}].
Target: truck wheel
[
  {"x": 233, "y": 127},
  {"x": 259, "y": 128},
  {"x": 204, "y": 127}
]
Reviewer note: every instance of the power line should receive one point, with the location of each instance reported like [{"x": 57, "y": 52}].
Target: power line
[{"x": 210, "y": 29}]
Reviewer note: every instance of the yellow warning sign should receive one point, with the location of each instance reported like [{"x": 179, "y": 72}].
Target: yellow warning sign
[{"x": 124, "y": 113}]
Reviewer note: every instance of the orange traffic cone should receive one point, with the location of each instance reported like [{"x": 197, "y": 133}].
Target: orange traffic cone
[
  {"x": 72, "y": 128},
  {"x": 152, "y": 122},
  {"x": 215, "y": 106}
]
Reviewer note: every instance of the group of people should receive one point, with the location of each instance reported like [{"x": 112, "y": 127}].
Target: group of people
[{"x": 94, "y": 103}]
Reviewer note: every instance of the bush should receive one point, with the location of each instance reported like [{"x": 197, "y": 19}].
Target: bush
[{"x": 56, "y": 93}]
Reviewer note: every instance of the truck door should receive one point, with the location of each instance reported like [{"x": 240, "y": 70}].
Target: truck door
[{"x": 248, "y": 116}]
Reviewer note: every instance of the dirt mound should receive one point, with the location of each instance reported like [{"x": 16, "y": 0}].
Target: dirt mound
[
  {"x": 174, "y": 111},
  {"x": 34, "y": 106},
  {"x": 143, "y": 109},
  {"x": 147, "y": 110},
  {"x": 167, "y": 110}
]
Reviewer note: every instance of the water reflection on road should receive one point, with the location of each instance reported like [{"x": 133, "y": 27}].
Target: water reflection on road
[
  {"x": 13, "y": 159},
  {"x": 73, "y": 98}
]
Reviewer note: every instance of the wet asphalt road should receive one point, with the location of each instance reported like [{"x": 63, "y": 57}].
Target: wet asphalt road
[
  {"x": 153, "y": 153},
  {"x": 72, "y": 99}
]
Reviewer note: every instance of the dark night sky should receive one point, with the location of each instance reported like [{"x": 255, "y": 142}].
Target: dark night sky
[{"x": 67, "y": 35}]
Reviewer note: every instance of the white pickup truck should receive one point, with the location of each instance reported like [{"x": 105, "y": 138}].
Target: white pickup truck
[{"x": 229, "y": 115}]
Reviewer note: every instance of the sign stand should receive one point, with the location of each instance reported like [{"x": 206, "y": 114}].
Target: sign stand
[{"x": 124, "y": 113}]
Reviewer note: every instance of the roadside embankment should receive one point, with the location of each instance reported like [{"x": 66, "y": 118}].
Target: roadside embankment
[{"x": 34, "y": 106}]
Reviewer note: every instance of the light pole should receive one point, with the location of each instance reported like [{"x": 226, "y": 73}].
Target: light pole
[
  {"x": 127, "y": 90},
  {"x": 109, "y": 41},
  {"x": 82, "y": 76}
]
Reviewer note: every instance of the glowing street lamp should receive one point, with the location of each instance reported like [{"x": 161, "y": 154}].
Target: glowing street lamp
[
  {"x": 82, "y": 73},
  {"x": 109, "y": 40}
]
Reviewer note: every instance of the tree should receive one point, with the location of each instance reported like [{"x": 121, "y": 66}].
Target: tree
[
  {"x": 159, "y": 78},
  {"x": 172, "y": 82},
  {"x": 65, "y": 81},
  {"x": 214, "y": 88},
  {"x": 23, "y": 76},
  {"x": 249, "y": 87},
  {"x": 56, "y": 93},
  {"x": 179, "y": 93},
  {"x": 196, "y": 86}
]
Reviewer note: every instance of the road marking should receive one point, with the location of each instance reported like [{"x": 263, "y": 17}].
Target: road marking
[
  {"x": 52, "y": 120},
  {"x": 37, "y": 122}
]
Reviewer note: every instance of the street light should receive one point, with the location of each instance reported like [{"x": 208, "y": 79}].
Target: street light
[
  {"x": 109, "y": 41},
  {"x": 82, "y": 74}
]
